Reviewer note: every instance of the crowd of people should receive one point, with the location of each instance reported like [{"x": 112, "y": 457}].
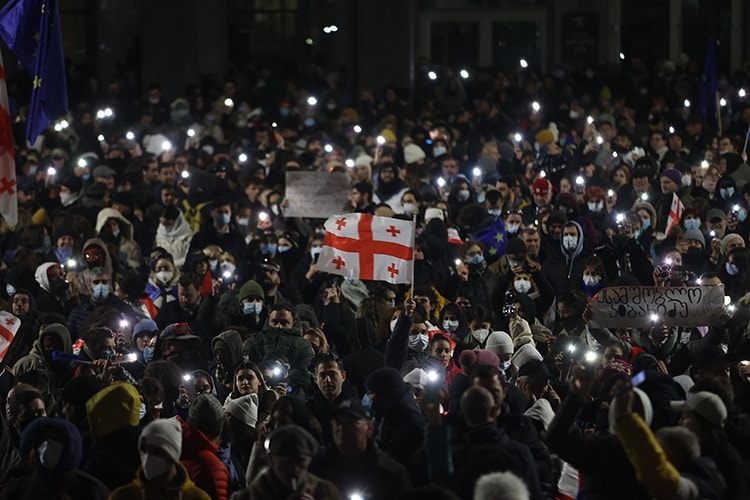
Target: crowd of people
[{"x": 177, "y": 339}]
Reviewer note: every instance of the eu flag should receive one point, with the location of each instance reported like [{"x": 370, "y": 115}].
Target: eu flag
[
  {"x": 494, "y": 238},
  {"x": 709, "y": 86},
  {"x": 31, "y": 29}
]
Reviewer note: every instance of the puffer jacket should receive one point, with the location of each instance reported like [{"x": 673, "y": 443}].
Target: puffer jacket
[
  {"x": 202, "y": 464},
  {"x": 176, "y": 241},
  {"x": 276, "y": 343},
  {"x": 181, "y": 488}
]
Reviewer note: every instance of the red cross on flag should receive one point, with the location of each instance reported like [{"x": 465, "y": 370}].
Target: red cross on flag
[
  {"x": 8, "y": 196},
  {"x": 368, "y": 247},
  {"x": 9, "y": 325},
  {"x": 675, "y": 213}
]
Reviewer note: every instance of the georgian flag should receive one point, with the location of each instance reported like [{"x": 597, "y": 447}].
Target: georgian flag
[
  {"x": 9, "y": 325},
  {"x": 368, "y": 247},
  {"x": 8, "y": 196},
  {"x": 675, "y": 213}
]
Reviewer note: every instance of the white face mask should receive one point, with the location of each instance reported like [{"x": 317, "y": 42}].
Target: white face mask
[
  {"x": 570, "y": 242},
  {"x": 50, "y": 452},
  {"x": 595, "y": 206},
  {"x": 409, "y": 208},
  {"x": 164, "y": 276},
  {"x": 213, "y": 264},
  {"x": 687, "y": 180},
  {"x": 512, "y": 228},
  {"x": 450, "y": 326},
  {"x": 480, "y": 334},
  {"x": 67, "y": 198},
  {"x": 591, "y": 280},
  {"x": 506, "y": 365},
  {"x": 522, "y": 286},
  {"x": 153, "y": 466},
  {"x": 419, "y": 342}
]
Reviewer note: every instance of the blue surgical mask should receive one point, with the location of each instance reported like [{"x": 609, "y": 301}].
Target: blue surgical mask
[
  {"x": 284, "y": 112},
  {"x": 222, "y": 219},
  {"x": 742, "y": 215},
  {"x": 475, "y": 259},
  {"x": 283, "y": 248},
  {"x": 726, "y": 192},
  {"x": 249, "y": 308},
  {"x": 100, "y": 292},
  {"x": 367, "y": 401},
  {"x": 63, "y": 254},
  {"x": 268, "y": 248},
  {"x": 692, "y": 224},
  {"x": 464, "y": 194},
  {"x": 148, "y": 354},
  {"x": 438, "y": 151},
  {"x": 645, "y": 224},
  {"x": 732, "y": 269}
]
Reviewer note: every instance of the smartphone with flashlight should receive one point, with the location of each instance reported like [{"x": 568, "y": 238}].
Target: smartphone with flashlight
[
  {"x": 638, "y": 379},
  {"x": 432, "y": 388}
]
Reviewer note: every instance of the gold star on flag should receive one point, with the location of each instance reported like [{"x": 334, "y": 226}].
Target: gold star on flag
[
  {"x": 493, "y": 251},
  {"x": 37, "y": 82},
  {"x": 43, "y": 6},
  {"x": 36, "y": 37},
  {"x": 499, "y": 237}
]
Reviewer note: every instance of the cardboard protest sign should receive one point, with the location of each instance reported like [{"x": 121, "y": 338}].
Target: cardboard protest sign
[
  {"x": 316, "y": 195},
  {"x": 642, "y": 306}
]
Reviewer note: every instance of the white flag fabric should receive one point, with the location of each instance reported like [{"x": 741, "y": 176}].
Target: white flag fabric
[
  {"x": 675, "y": 213},
  {"x": 8, "y": 196},
  {"x": 9, "y": 325},
  {"x": 368, "y": 247}
]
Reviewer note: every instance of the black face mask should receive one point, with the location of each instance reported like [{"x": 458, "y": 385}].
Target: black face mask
[
  {"x": 58, "y": 285},
  {"x": 693, "y": 252}
]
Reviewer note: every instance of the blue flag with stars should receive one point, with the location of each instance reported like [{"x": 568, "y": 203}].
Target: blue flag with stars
[
  {"x": 494, "y": 239},
  {"x": 31, "y": 29}
]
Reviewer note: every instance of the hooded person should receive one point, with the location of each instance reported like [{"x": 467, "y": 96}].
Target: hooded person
[
  {"x": 201, "y": 435},
  {"x": 114, "y": 416},
  {"x": 96, "y": 254},
  {"x": 161, "y": 475},
  {"x": 226, "y": 349},
  {"x": 53, "y": 296},
  {"x": 52, "y": 338},
  {"x": 564, "y": 269},
  {"x": 398, "y": 419},
  {"x": 114, "y": 228},
  {"x": 247, "y": 307},
  {"x": 52, "y": 447},
  {"x": 174, "y": 234}
]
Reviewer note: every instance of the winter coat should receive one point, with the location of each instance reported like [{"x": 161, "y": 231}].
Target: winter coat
[
  {"x": 202, "y": 464},
  {"x": 275, "y": 343},
  {"x": 175, "y": 241},
  {"x": 374, "y": 473},
  {"x": 59, "y": 371},
  {"x": 128, "y": 248},
  {"x": 267, "y": 487},
  {"x": 181, "y": 488}
]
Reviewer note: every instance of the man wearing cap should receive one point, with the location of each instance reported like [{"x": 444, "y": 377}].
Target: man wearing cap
[
  {"x": 693, "y": 249},
  {"x": 161, "y": 475},
  {"x": 105, "y": 175},
  {"x": 290, "y": 451},
  {"x": 542, "y": 191},
  {"x": 716, "y": 223},
  {"x": 355, "y": 464},
  {"x": 247, "y": 307}
]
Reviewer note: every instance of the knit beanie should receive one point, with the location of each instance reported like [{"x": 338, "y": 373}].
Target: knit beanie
[
  {"x": 207, "y": 415},
  {"x": 524, "y": 354},
  {"x": 249, "y": 289},
  {"x": 113, "y": 408},
  {"x": 472, "y": 358},
  {"x": 413, "y": 153},
  {"x": 244, "y": 409},
  {"x": 726, "y": 240},
  {"x": 165, "y": 434},
  {"x": 500, "y": 343}
]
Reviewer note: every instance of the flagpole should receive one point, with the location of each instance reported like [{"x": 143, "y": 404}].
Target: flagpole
[
  {"x": 413, "y": 251},
  {"x": 718, "y": 113},
  {"x": 747, "y": 133}
]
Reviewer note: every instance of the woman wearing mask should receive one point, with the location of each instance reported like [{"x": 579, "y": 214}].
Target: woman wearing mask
[
  {"x": 735, "y": 275},
  {"x": 162, "y": 282},
  {"x": 596, "y": 209},
  {"x": 474, "y": 279},
  {"x": 174, "y": 234},
  {"x": 645, "y": 236},
  {"x": 564, "y": 269},
  {"x": 729, "y": 195},
  {"x": 453, "y": 322},
  {"x": 114, "y": 228},
  {"x": 480, "y": 327},
  {"x": 525, "y": 279},
  {"x": 461, "y": 194},
  {"x": 594, "y": 277}
]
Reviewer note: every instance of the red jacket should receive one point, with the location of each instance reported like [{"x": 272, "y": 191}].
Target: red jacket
[{"x": 203, "y": 466}]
